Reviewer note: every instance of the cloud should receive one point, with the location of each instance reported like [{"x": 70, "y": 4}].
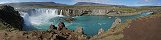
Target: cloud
[
  {"x": 149, "y": 0},
  {"x": 96, "y": 1},
  {"x": 146, "y": 0}
]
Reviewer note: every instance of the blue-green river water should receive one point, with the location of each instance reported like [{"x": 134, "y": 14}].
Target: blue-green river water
[
  {"x": 41, "y": 20},
  {"x": 91, "y": 24}
]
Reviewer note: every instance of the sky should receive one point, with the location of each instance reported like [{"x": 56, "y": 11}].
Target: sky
[{"x": 114, "y": 2}]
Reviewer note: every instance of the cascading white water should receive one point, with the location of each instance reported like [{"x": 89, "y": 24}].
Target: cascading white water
[
  {"x": 61, "y": 13},
  {"x": 39, "y": 17},
  {"x": 43, "y": 16},
  {"x": 26, "y": 18},
  {"x": 27, "y": 23}
]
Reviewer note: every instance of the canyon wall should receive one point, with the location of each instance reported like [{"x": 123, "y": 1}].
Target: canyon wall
[
  {"x": 96, "y": 12},
  {"x": 80, "y": 12},
  {"x": 93, "y": 11}
]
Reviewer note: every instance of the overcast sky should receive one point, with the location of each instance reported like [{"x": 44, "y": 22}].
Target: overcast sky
[{"x": 115, "y": 2}]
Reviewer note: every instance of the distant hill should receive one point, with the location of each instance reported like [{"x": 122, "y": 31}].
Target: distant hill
[
  {"x": 42, "y": 4},
  {"x": 95, "y": 4},
  {"x": 90, "y": 4},
  {"x": 34, "y": 4}
]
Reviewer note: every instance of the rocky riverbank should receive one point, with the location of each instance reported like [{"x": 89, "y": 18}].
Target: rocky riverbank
[
  {"x": 54, "y": 33},
  {"x": 146, "y": 28},
  {"x": 41, "y": 35},
  {"x": 113, "y": 33}
]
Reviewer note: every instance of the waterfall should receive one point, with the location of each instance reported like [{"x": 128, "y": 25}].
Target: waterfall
[
  {"x": 27, "y": 23},
  {"x": 26, "y": 18},
  {"x": 39, "y": 16},
  {"x": 61, "y": 13}
]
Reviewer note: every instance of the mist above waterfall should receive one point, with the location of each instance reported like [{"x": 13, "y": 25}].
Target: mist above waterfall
[
  {"x": 26, "y": 18},
  {"x": 39, "y": 16}
]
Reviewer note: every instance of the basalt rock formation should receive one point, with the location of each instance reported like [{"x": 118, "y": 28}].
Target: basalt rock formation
[
  {"x": 96, "y": 11},
  {"x": 10, "y": 18},
  {"x": 81, "y": 12}
]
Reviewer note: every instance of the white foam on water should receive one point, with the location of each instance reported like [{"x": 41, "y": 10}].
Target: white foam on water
[
  {"x": 44, "y": 15},
  {"x": 40, "y": 16},
  {"x": 26, "y": 18}
]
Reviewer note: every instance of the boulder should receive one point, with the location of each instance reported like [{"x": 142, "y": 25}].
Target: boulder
[
  {"x": 11, "y": 17},
  {"x": 61, "y": 25},
  {"x": 116, "y": 22},
  {"x": 79, "y": 30},
  {"x": 52, "y": 27},
  {"x": 100, "y": 31},
  {"x": 70, "y": 19}
]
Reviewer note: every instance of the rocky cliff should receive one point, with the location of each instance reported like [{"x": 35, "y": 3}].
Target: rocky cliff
[
  {"x": 96, "y": 11},
  {"x": 10, "y": 18},
  {"x": 80, "y": 12}
]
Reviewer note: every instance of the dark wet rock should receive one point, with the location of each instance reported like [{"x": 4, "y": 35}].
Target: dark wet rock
[
  {"x": 70, "y": 19},
  {"x": 52, "y": 27},
  {"x": 61, "y": 26},
  {"x": 86, "y": 12},
  {"x": 10, "y": 17},
  {"x": 60, "y": 38}
]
